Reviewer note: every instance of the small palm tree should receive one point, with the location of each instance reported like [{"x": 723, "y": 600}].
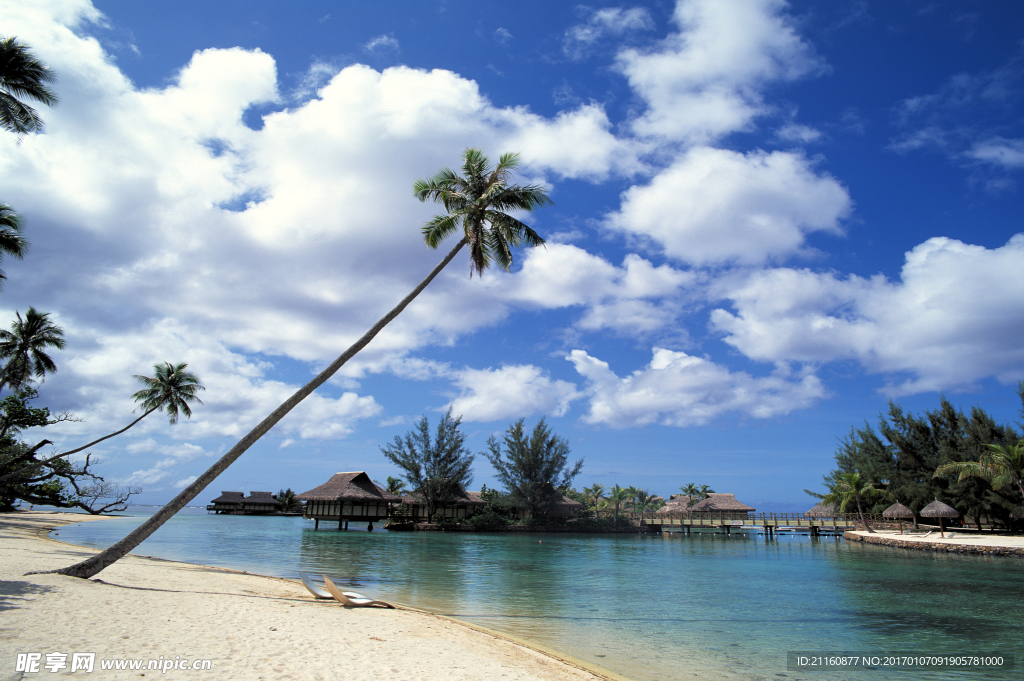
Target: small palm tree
[
  {"x": 631, "y": 496},
  {"x": 24, "y": 347},
  {"x": 1001, "y": 466},
  {"x": 287, "y": 499},
  {"x": 171, "y": 390},
  {"x": 476, "y": 203},
  {"x": 22, "y": 76},
  {"x": 847, "y": 488},
  {"x": 617, "y": 496},
  {"x": 704, "y": 492},
  {"x": 691, "y": 490},
  {"x": 11, "y": 241},
  {"x": 395, "y": 485}
]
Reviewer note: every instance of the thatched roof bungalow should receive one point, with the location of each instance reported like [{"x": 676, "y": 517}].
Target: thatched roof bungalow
[
  {"x": 725, "y": 505},
  {"x": 348, "y": 496},
  {"x": 415, "y": 508},
  {"x": 677, "y": 503},
  {"x": 227, "y": 502},
  {"x": 564, "y": 508},
  {"x": 260, "y": 502}
]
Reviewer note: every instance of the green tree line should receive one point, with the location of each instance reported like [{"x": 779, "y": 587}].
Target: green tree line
[{"x": 945, "y": 454}]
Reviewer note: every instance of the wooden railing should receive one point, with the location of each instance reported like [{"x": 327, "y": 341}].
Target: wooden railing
[{"x": 711, "y": 518}]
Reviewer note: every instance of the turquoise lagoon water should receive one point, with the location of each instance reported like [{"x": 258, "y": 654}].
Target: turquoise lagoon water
[{"x": 646, "y": 606}]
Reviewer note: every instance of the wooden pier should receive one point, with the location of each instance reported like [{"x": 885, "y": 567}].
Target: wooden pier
[{"x": 770, "y": 523}]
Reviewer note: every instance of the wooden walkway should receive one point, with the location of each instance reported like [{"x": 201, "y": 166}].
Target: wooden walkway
[{"x": 769, "y": 522}]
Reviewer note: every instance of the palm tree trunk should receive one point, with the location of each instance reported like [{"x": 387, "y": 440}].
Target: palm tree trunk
[
  {"x": 73, "y": 451},
  {"x": 862, "y": 518},
  {"x": 91, "y": 566}
]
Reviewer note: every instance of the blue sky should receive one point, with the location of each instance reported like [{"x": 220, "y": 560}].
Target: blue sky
[{"x": 770, "y": 218}]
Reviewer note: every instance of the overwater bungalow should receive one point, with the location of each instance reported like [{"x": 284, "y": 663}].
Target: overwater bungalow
[
  {"x": 227, "y": 502},
  {"x": 677, "y": 503},
  {"x": 348, "y": 496},
  {"x": 415, "y": 510},
  {"x": 725, "y": 505},
  {"x": 259, "y": 503}
]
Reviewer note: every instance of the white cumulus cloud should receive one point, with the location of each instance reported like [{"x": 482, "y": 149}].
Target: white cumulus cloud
[
  {"x": 705, "y": 80},
  {"x": 510, "y": 392},
  {"x": 954, "y": 318},
  {"x": 716, "y": 206},
  {"x": 677, "y": 389}
]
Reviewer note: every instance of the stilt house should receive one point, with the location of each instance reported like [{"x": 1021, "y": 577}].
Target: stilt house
[
  {"x": 677, "y": 503},
  {"x": 415, "y": 508},
  {"x": 348, "y": 496},
  {"x": 258, "y": 503},
  {"x": 723, "y": 505},
  {"x": 227, "y": 502}
]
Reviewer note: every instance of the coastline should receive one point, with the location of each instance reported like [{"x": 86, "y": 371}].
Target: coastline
[
  {"x": 971, "y": 544},
  {"x": 247, "y": 625}
]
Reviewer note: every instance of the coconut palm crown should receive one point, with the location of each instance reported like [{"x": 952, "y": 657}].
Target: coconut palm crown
[
  {"x": 22, "y": 76},
  {"x": 476, "y": 203},
  {"x": 24, "y": 348},
  {"x": 171, "y": 390}
]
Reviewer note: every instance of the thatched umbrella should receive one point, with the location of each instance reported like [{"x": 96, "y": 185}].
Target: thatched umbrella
[
  {"x": 821, "y": 510},
  {"x": 939, "y": 510},
  {"x": 899, "y": 511}
]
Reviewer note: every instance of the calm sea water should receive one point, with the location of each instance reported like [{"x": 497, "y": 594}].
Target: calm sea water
[{"x": 647, "y": 607}]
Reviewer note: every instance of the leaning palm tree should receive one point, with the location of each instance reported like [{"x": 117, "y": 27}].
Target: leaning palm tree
[
  {"x": 22, "y": 76},
  {"x": 1001, "y": 466},
  {"x": 476, "y": 204},
  {"x": 11, "y": 241},
  {"x": 171, "y": 390},
  {"x": 24, "y": 348}
]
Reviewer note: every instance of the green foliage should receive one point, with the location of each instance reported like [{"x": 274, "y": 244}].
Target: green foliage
[
  {"x": 11, "y": 241},
  {"x": 617, "y": 496},
  {"x": 24, "y": 349},
  {"x": 476, "y": 203},
  {"x": 22, "y": 76},
  {"x": 395, "y": 485},
  {"x": 171, "y": 389},
  {"x": 905, "y": 452},
  {"x": 438, "y": 470},
  {"x": 288, "y": 500},
  {"x": 54, "y": 483},
  {"x": 535, "y": 470},
  {"x": 489, "y": 520},
  {"x": 592, "y": 496}
]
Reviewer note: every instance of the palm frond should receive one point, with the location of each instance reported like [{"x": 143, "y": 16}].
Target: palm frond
[
  {"x": 22, "y": 75},
  {"x": 439, "y": 228},
  {"x": 171, "y": 390}
]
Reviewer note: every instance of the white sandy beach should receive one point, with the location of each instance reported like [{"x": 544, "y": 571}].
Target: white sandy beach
[
  {"x": 249, "y": 627},
  {"x": 952, "y": 538}
]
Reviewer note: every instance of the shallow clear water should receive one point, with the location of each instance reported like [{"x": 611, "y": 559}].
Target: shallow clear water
[{"x": 647, "y": 607}]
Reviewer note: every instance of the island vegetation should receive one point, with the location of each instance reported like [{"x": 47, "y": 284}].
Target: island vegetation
[{"x": 967, "y": 460}]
